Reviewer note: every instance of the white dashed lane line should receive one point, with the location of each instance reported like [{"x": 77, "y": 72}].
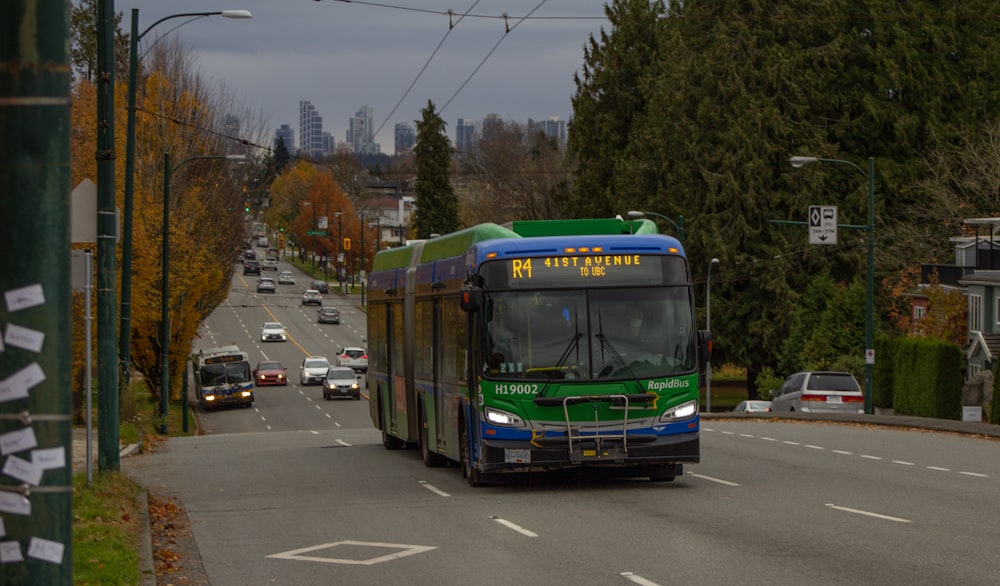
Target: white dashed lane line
[{"x": 841, "y": 452}]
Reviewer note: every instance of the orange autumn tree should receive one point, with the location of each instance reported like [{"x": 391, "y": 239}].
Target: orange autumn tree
[{"x": 181, "y": 114}]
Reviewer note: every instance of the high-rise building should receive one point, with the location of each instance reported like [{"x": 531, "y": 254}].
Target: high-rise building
[
  {"x": 465, "y": 136},
  {"x": 287, "y": 135},
  {"x": 310, "y": 130},
  {"x": 361, "y": 131},
  {"x": 490, "y": 122},
  {"x": 406, "y": 138},
  {"x": 554, "y": 128}
]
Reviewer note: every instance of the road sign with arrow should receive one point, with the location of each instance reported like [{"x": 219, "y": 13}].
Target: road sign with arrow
[{"x": 822, "y": 224}]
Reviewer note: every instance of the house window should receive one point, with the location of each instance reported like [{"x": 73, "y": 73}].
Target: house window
[
  {"x": 919, "y": 311},
  {"x": 975, "y": 313}
]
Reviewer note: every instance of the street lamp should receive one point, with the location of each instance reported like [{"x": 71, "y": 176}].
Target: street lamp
[
  {"x": 340, "y": 251},
  {"x": 798, "y": 162},
  {"x": 378, "y": 232},
  {"x": 708, "y": 328},
  {"x": 363, "y": 216},
  {"x": 125, "y": 331},
  {"x": 165, "y": 286},
  {"x": 678, "y": 225}
]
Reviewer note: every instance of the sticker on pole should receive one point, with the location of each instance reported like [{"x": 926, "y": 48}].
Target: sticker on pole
[{"x": 822, "y": 224}]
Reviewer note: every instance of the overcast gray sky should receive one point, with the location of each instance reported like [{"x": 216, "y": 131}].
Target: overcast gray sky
[{"x": 342, "y": 55}]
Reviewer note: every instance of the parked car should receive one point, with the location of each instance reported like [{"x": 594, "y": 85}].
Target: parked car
[
  {"x": 286, "y": 278},
  {"x": 270, "y": 372},
  {"x": 251, "y": 267},
  {"x": 313, "y": 370},
  {"x": 341, "y": 381},
  {"x": 265, "y": 285},
  {"x": 270, "y": 263},
  {"x": 356, "y": 358},
  {"x": 328, "y": 315},
  {"x": 819, "y": 392},
  {"x": 321, "y": 286},
  {"x": 273, "y": 331},
  {"x": 753, "y": 407},
  {"x": 312, "y": 297}
]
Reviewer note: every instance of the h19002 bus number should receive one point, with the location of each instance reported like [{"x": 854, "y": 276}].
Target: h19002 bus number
[{"x": 515, "y": 389}]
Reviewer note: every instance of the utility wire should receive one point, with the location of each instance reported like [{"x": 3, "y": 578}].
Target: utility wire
[{"x": 419, "y": 74}]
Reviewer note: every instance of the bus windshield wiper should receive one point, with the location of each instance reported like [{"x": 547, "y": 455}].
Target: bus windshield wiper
[
  {"x": 574, "y": 343},
  {"x": 616, "y": 356}
]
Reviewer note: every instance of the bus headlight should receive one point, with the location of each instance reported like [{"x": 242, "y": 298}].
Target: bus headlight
[
  {"x": 685, "y": 410},
  {"x": 502, "y": 418},
  {"x": 246, "y": 394},
  {"x": 209, "y": 397}
]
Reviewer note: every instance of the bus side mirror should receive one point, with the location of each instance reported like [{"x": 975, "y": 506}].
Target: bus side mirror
[
  {"x": 705, "y": 345},
  {"x": 471, "y": 300}
]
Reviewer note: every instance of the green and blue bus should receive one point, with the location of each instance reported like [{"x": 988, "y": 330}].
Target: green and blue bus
[{"x": 540, "y": 346}]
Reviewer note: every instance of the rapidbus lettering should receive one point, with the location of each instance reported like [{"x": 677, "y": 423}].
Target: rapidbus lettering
[{"x": 671, "y": 383}]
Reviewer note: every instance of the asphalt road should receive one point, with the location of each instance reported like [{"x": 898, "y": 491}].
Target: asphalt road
[{"x": 298, "y": 490}]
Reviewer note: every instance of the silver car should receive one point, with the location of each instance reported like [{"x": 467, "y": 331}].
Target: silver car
[
  {"x": 356, "y": 358},
  {"x": 819, "y": 392},
  {"x": 313, "y": 370},
  {"x": 273, "y": 331}
]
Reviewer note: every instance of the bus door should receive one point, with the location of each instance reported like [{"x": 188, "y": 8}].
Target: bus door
[{"x": 438, "y": 360}]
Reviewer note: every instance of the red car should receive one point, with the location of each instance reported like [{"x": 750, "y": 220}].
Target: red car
[{"x": 269, "y": 373}]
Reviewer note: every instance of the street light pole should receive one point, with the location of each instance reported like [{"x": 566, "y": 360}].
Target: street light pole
[
  {"x": 678, "y": 225},
  {"x": 340, "y": 250},
  {"x": 125, "y": 326},
  {"x": 708, "y": 328},
  {"x": 799, "y": 161},
  {"x": 165, "y": 282},
  {"x": 362, "y": 259}
]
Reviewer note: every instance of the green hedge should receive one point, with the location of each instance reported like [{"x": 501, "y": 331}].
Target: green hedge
[
  {"x": 882, "y": 372},
  {"x": 927, "y": 378}
]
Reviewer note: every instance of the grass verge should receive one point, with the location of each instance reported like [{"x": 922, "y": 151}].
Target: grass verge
[
  {"x": 105, "y": 529},
  {"x": 106, "y": 523}
]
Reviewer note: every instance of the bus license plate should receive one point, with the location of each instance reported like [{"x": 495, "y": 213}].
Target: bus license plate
[{"x": 516, "y": 456}]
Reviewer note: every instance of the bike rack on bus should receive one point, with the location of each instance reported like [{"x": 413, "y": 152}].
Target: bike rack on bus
[{"x": 577, "y": 452}]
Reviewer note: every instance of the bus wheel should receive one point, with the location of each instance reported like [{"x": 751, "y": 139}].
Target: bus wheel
[
  {"x": 431, "y": 459},
  {"x": 389, "y": 442},
  {"x": 665, "y": 472},
  {"x": 473, "y": 476}
]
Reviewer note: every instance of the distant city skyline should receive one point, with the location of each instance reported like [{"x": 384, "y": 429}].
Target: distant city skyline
[
  {"x": 359, "y": 138},
  {"x": 341, "y": 55}
]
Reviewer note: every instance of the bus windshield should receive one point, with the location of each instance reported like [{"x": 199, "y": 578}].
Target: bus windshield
[
  {"x": 603, "y": 333},
  {"x": 226, "y": 373}
]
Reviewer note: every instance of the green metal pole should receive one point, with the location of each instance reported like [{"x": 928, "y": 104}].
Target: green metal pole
[
  {"x": 870, "y": 294},
  {"x": 35, "y": 128},
  {"x": 125, "y": 319},
  {"x": 184, "y": 400},
  {"x": 165, "y": 301},
  {"x": 107, "y": 261},
  {"x": 362, "y": 260}
]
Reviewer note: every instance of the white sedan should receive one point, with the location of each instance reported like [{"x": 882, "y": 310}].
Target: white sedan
[
  {"x": 273, "y": 331},
  {"x": 286, "y": 278}
]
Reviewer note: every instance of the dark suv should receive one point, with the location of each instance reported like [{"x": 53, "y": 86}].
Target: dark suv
[
  {"x": 321, "y": 286},
  {"x": 251, "y": 267}
]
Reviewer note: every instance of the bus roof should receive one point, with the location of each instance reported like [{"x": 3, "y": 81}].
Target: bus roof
[
  {"x": 580, "y": 227},
  {"x": 458, "y": 243}
]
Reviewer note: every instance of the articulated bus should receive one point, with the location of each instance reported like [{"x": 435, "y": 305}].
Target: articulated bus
[
  {"x": 540, "y": 346},
  {"x": 223, "y": 377}
]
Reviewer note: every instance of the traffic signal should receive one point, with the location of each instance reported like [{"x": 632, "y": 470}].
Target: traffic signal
[
  {"x": 281, "y": 240},
  {"x": 347, "y": 243},
  {"x": 246, "y": 207}
]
